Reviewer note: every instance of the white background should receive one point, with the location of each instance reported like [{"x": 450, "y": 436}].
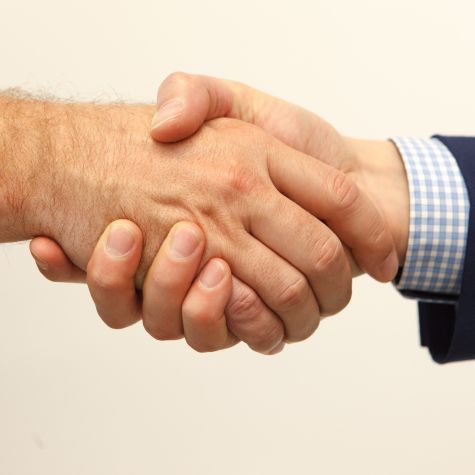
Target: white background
[{"x": 359, "y": 397}]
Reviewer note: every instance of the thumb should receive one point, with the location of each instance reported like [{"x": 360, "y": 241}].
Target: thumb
[
  {"x": 186, "y": 101},
  {"x": 53, "y": 263}
]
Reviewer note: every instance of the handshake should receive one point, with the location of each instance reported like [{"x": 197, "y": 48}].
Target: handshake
[{"x": 238, "y": 217}]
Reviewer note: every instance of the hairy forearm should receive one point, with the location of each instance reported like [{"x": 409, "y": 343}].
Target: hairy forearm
[
  {"x": 45, "y": 147},
  {"x": 23, "y": 159}
]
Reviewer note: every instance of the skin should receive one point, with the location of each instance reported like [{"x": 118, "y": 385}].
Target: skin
[
  {"x": 174, "y": 303},
  {"x": 69, "y": 169}
]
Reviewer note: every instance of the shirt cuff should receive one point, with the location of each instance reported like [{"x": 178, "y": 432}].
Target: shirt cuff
[{"x": 439, "y": 212}]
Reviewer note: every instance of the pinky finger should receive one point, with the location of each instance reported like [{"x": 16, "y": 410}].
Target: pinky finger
[
  {"x": 53, "y": 263},
  {"x": 204, "y": 322}
]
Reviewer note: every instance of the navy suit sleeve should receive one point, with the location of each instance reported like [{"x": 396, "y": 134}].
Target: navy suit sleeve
[{"x": 448, "y": 330}]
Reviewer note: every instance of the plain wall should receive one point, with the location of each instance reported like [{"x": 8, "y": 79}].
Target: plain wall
[{"x": 360, "y": 396}]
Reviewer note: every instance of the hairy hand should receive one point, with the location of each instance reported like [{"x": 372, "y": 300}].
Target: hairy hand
[{"x": 245, "y": 189}]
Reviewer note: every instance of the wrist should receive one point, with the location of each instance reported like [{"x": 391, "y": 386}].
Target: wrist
[
  {"x": 23, "y": 161},
  {"x": 380, "y": 172},
  {"x": 92, "y": 149}
]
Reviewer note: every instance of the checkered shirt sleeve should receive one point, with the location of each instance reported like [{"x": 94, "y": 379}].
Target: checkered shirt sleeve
[{"x": 439, "y": 211}]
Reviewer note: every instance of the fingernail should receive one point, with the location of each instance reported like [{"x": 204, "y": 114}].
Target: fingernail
[
  {"x": 184, "y": 242},
  {"x": 167, "y": 111},
  {"x": 390, "y": 266},
  {"x": 41, "y": 265},
  {"x": 119, "y": 241},
  {"x": 212, "y": 275},
  {"x": 277, "y": 349}
]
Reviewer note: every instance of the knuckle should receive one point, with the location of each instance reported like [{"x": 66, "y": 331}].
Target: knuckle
[
  {"x": 203, "y": 318},
  {"x": 167, "y": 283},
  {"x": 344, "y": 190},
  {"x": 244, "y": 315},
  {"x": 293, "y": 295},
  {"x": 326, "y": 254},
  {"x": 200, "y": 316},
  {"x": 102, "y": 282},
  {"x": 240, "y": 179},
  {"x": 244, "y": 308}
]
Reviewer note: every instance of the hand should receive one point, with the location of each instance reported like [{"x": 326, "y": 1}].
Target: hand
[
  {"x": 200, "y": 86},
  {"x": 186, "y": 101},
  {"x": 304, "y": 310},
  {"x": 173, "y": 303}
]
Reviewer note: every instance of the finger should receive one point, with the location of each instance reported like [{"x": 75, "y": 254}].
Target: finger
[
  {"x": 169, "y": 279},
  {"x": 110, "y": 274},
  {"x": 53, "y": 263},
  {"x": 280, "y": 285},
  {"x": 202, "y": 98},
  {"x": 204, "y": 322},
  {"x": 309, "y": 246},
  {"x": 335, "y": 198},
  {"x": 251, "y": 321},
  {"x": 185, "y": 102}
]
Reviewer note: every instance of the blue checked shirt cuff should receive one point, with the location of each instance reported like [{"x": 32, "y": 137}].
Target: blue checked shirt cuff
[{"x": 439, "y": 211}]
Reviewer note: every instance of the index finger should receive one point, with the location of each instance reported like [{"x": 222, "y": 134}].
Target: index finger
[{"x": 335, "y": 198}]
